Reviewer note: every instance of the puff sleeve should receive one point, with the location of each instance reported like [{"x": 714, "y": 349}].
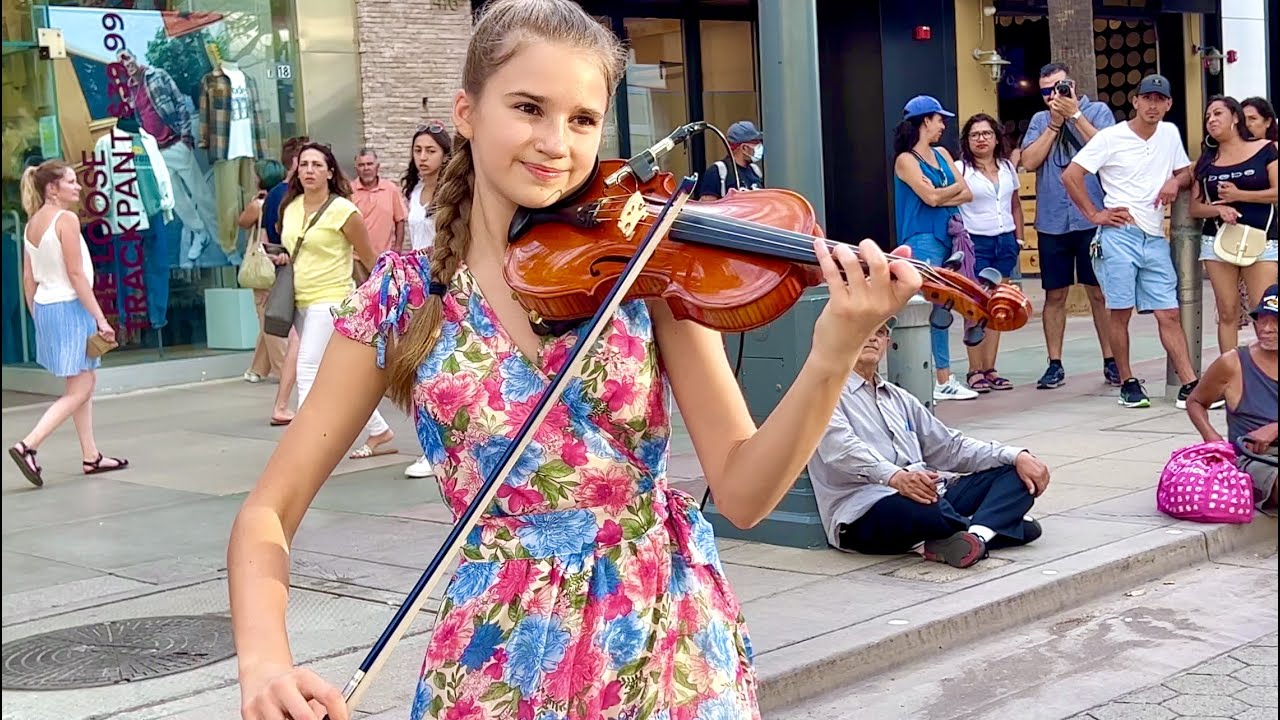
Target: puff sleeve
[{"x": 381, "y": 307}]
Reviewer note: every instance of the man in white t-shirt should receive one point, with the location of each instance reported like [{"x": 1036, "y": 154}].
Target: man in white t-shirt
[{"x": 1141, "y": 165}]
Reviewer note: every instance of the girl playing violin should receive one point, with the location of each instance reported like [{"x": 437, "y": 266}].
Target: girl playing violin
[{"x": 591, "y": 589}]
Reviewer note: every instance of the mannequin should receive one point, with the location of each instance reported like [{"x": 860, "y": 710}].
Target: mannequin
[{"x": 233, "y": 131}]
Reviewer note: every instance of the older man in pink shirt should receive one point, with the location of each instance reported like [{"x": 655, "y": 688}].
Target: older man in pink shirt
[{"x": 382, "y": 206}]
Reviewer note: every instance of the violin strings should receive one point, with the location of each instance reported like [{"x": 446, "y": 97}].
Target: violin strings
[{"x": 782, "y": 243}]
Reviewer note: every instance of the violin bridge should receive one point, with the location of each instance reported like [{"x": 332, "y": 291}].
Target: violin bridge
[{"x": 632, "y": 213}]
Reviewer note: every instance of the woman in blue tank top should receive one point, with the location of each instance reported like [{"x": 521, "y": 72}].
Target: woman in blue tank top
[{"x": 927, "y": 191}]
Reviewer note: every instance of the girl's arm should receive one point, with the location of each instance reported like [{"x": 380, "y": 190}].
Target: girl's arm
[
  {"x": 28, "y": 280},
  {"x": 749, "y": 470},
  {"x": 1015, "y": 207},
  {"x": 346, "y": 391},
  {"x": 1259, "y": 196}
]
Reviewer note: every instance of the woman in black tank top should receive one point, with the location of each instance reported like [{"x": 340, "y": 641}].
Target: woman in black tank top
[{"x": 1235, "y": 182}]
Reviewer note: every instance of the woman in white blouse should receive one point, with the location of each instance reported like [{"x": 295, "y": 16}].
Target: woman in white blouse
[
  {"x": 431, "y": 147},
  {"x": 994, "y": 220}
]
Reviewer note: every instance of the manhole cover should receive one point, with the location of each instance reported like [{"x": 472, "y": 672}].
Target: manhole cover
[{"x": 117, "y": 651}]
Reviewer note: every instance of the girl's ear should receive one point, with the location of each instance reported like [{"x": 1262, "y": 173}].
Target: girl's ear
[{"x": 463, "y": 112}]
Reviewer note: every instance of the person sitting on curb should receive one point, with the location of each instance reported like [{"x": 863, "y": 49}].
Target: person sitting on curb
[
  {"x": 891, "y": 478},
  {"x": 1246, "y": 378}
]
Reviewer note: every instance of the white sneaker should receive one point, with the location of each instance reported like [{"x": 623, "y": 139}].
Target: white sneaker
[
  {"x": 952, "y": 390},
  {"x": 252, "y": 377},
  {"x": 421, "y": 468}
]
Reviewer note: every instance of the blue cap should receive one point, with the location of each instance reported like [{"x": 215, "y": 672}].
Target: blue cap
[
  {"x": 921, "y": 105},
  {"x": 1268, "y": 305},
  {"x": 1155, "y": 84},
  {"x": 743, "y": 131}
]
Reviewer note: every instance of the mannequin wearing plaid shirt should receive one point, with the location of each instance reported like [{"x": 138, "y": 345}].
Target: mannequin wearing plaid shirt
[{"x": 233, "y": 178}]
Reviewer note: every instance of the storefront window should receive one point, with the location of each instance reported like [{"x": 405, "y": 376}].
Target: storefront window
[
  {"x": 163, "y": 109},
  {"x": 728, "y": 79},
  {"x": 656, "y": 96}
]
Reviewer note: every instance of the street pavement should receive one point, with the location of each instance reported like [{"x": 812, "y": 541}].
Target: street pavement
[{"x": 150, "y": 542}]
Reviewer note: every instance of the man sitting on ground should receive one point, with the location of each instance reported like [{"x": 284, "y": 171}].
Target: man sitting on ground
[
  {"x": 889, "y": 476},
  {"x": 1247, "y": 379}
]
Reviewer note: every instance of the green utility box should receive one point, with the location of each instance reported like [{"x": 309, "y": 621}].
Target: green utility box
[{"x": 771, "y": 358}]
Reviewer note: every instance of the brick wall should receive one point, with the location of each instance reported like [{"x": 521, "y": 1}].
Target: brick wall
[{"x": 408, "y": 51}]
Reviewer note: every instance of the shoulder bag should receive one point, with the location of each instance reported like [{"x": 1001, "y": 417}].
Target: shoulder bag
[
  {"x": 257, "y": 271},
  {"x": 1240, "y": 244},
  {"x": 277, "y": 318}
]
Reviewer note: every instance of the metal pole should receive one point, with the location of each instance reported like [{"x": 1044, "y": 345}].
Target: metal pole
[
  {"x": 1185, "y": 247},
  {"x": 910, "y": 357},
  {"x": 790, "y": 99}
]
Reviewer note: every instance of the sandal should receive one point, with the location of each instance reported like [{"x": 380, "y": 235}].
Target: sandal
[
  {"x": 26, "y": 459},
  {"x": 997, "y": 382},
  {"x": 981, "y": 384},
  {"x": 95, "y": 467},
  {"x": 367, "y": 451}
]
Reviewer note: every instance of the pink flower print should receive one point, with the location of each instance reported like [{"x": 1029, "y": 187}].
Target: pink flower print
[
  {"x": 496, "y": 665},
  {"x": 647, "y": 577},
  {"x": 618, "y": 394},
  {"x": 574, "y": 453},
  {"x": 514, "y": 580},
  {"x": 610, "y": 534},
  {"x": 609, "y": 488},
  {"x": 453, "y": 312},
  {"x": 583, "y": 665},
  {"x": 555, "y": 357},
  {"x": 466, "y": 710},
  {"x": 616, "y": 605},
  {"x": 627, "y": 345},
  {"x": 526, "y": 710},
  {"x": 448, "y": 394},
  {"x": 520, "y": 499},
  {"x": 542, "y": 601},
  {"x": 448, "y": 640},
  {"x": 493, "y": 388},
  {"x": 612, "y": 694}
]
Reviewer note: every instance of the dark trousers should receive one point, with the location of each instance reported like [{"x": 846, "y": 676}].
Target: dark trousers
[{"x": 994, "y": 498}]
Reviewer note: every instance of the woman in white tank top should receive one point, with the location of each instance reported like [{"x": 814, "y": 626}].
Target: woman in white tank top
[{"x": 57, "y": 280}]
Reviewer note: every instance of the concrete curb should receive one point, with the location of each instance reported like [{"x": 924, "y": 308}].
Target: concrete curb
[{"x": 813, "y": 667}]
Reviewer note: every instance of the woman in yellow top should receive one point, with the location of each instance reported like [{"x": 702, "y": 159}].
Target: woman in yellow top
[{"x": 322, "y": 267}]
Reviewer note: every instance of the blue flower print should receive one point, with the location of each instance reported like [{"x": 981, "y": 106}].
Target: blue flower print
[
  {"x": 489, "y": 457},
  {"x": 604, "y": 578},
  {"x": 746, "y": 645},
  {"x": 681, "y": 579},
  {"x": 429, "y": 437},
  {"x": 483, "y": 643},
  {"x": 519, "y": 381},
  {"x": 653, "y": 453},
  {"x": 536, "y": 646},
  {"x": 445, "y": 346},
  {"x": 421, "y": 700},
  {"x": 622, "y": 639},
  {"x": 704, "y": 538},
  {"x": 716, "y": 646},
  {"x": 565, "y": 535},
  {"x": 600, "y": 446},
  {"x": 579, "y": 407},
  {"x": 720, "y": 707},
  {"x": 471, "y": 580},
  {"x": 478, "y": 318},
  {"x": 635, "y": 316},
  {"x": 550, "y": 715}
]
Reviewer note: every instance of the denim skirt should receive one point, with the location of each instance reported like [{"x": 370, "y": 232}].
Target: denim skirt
[{"x": 62, "y": 331}]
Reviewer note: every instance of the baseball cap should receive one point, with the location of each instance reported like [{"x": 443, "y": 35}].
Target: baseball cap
[
  {"x": 1268, "y": 304},
  {"x": 924, "y": 105},
  {"x": 743, "y": 131},
  {"x": 1155, "y": 84}
]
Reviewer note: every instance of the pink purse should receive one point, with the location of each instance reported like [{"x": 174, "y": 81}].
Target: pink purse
[{"x": 1201, "y": 483}]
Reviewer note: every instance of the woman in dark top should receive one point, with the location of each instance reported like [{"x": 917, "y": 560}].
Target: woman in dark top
[
  {"x": 1235, "y": 182},
  {"x": 1261, "y": 118}
]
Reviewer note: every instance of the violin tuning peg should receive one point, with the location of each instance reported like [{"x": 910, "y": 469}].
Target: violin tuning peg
[
  {"x": 941, "y": 317},
  {"x": 974, "y": 334},
  {"x": 955, "y": 261},
  {"x": 990, "y": 277}
]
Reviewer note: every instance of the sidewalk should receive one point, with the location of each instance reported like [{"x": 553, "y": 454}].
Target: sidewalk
[{"x": 151, "y": 541}]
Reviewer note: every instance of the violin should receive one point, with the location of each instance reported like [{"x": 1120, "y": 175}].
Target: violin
[{"x": 733, "y": 264}]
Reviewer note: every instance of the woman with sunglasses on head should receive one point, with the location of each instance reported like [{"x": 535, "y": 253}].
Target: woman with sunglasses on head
[
  {"x": 591, "y": 588},
  {"x": 431, "y": 147},
  {"x": 322, "y": 231},
  {"x": 993, "y": 218},
  {"x": 1235, "y": 182}
]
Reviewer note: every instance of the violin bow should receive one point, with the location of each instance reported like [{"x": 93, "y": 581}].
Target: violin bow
[{"x": 412, "y": 604}]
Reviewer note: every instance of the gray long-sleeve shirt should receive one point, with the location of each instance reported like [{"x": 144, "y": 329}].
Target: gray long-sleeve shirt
[{"x": 876, "y": 431}]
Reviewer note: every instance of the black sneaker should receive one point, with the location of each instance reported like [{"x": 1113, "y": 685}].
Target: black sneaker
[
  {"x": 960, "y": 550},
  {"x": 1111, "y": 371},
  {"x": 1185, "y": 392},
  {"x": 1053, "y": 377},
  {"x": 1132, "y": 395}
]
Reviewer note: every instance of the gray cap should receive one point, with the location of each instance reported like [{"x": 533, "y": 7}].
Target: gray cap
[{"x": 1155, "y": 84}]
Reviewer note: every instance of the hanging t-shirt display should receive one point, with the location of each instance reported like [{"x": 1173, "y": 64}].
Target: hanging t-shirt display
[{"x": 240, "y": 129}]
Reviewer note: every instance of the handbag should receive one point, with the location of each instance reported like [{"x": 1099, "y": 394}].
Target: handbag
[
  {"x": 97, "y": 345},
  {"x": 277, "y": 317},
  {"x": 1202, "y": 483},
  {"x": 257, "y": 271},
  {"x": 1239, "y": 244}
]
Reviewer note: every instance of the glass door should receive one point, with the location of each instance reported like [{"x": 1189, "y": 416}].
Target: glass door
[
  {"x": 657, "y": 99},
  {"x": 31, "y": 135}
]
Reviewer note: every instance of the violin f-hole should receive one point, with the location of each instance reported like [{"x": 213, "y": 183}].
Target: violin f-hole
[{"x": 605, "y": 260}]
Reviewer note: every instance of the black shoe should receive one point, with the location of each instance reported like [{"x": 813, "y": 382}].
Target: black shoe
[
  {"x": 960, "y": 550},
  {"x": 1185, "y": 392},
  {"x": 1031, "y": 531},
  {"x": 1132, "y": 395},
  {"x": 1111, "y": 372},
  {"x": 1053, "y": 377}
]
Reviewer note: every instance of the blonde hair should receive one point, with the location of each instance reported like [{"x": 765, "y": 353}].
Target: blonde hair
[
  {"x": 37, "y": 179},
  {"x": 503, "y": 28}
]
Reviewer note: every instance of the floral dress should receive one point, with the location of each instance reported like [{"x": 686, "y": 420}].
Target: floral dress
[{"x": 590, "y": 589}]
